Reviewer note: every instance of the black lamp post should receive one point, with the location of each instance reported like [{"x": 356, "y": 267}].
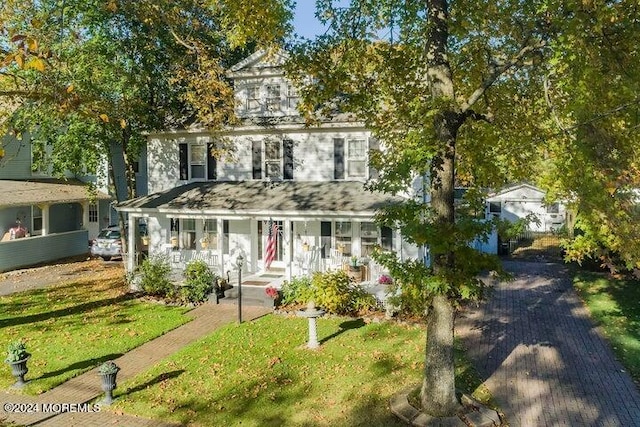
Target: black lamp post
[{"x": 240, "y": 263}]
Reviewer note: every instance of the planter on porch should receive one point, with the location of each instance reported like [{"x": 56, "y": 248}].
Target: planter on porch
[{"x": 355, "y": 273}]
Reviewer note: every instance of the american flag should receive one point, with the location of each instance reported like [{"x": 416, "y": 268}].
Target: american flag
[{"x": 270, "y": 249}]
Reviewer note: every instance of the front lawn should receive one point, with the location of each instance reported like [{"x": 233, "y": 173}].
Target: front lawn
[
  {"x": 72, "y": 327},
  {"x": 614, "y": 305},
  {"x": 260, "y": 374}
]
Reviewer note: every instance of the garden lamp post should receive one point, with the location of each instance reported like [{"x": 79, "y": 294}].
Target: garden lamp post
[{"x": 239, "y": 263}]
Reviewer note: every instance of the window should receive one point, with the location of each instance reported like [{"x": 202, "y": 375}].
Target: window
[
  {"x": 210, "y": 232},
  {"x": 495, "y": 208},
  {"x": 36, "y": 220},
  {"x": 193, "y": 161},
  {"x": 93, "y": 212},
  {"x": 368, "y": 237},
  {"x": 188, "y": 234},
  {"x": 197, "y": 157},
  {"x": 356, "y": 158},
  {"x": 273, "y": 97},
  {"x": 343, "y": 237},
  {"x": 292, "y": 97},
  {"x": 272, "y": 159},
  {"x": 253, "y": 98},
  {"x": 553, "y": 208}
]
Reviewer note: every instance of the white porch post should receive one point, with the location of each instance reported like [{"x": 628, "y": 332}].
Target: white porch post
[
  {"x": 220, "y": 244},
  {"x": 253, "y": 256},
  {"x": 45, "y": 220},
  {"x": 288, "y": 253},
  {"x": 356, "y": 246},
  {"x": 85, "y": 215},
  {"x": 131, "y": 243}
]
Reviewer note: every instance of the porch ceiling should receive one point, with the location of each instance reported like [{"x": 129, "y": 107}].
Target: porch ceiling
[
  {"x": 263, "y": 196},
  {"x": 19, "y": 193}
]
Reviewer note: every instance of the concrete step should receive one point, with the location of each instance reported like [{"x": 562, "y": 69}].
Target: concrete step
[{"x": 251, "y": 296}]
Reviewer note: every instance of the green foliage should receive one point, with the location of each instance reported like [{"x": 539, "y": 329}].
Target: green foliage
[
  {"x": 332, "y": 290},
  {"x": 296, "y": 290},
  {"x": 199, "y": 282},
  {"x": 108, "y": 367},
  {"x": 510, "y": 229},
  {"x": 101, "y": 320},
  {"x": 16, "y": 351},
  {"x": 154, "y": 277}
]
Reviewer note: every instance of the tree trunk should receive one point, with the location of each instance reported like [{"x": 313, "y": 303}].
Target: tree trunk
[{"x": 438, "y": 392}]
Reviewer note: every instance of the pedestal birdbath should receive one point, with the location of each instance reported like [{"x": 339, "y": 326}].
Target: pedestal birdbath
[{"x": 312, "y": 313}]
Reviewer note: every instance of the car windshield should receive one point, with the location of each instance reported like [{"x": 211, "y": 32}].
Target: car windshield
[{"x": 109, "y": 234}]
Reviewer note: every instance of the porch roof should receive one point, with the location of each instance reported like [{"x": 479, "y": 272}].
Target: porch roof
[
  {"x": 262, "y": 197},
  {"x": 45, "y": 191}
]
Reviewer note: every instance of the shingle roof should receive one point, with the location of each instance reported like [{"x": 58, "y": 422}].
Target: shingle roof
[
  {"x": 19, "y": 193},
  {"x": 292, "y": 197}
]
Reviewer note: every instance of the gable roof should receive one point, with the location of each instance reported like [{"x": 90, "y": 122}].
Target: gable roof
[
  {"x": 262, "y": 59},
  {"x": 50, "y": 191},
  {"x": 264, "y": 197},
  {"x": 518, "y": 191}
]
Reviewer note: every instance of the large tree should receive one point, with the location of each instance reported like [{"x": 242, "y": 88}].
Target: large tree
[
  {"x": 87, "y": 78},
  {"x": 456, "y": 92}
]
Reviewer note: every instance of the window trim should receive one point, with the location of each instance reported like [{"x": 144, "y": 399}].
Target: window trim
[
  {"x": 350, "y": 157},
  {"x": 253, "y": 96}
]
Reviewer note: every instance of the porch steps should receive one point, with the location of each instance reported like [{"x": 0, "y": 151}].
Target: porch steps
[{"x": 251, "y": 296}]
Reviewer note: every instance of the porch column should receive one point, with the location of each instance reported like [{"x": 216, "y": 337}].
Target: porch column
[
  {"x": 288, "y": 253},
  {"x": 85, "y": 215},
  {"x": 356, "y": 242},
  {"x": 253, "y": 257},
  {"x": 131, "y": 243},
  {"x": 45, "y": 219},
  {"x": 220, "y": 244}
]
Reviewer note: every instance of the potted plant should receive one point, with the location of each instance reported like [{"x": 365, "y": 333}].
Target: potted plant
[
  {"x": 108, "y": 372},
  {"x": 204, "y": 241},
  {"x": 305, "y": 246},
  {"x": 17, "y": 357},
  {"x": 354, "y": 264},
  {"x": 341, "y": 248}
]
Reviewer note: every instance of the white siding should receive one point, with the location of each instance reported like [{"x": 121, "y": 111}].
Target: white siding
[{"x": 163, "y": 164}]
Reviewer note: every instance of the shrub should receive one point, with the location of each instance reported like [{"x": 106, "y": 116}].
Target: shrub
[
  {"x": 331, "y": 291},
  {"x": 16, "y": 351},
  {"x": 198, "y": 282},
  {"x": 298, "y": 290},
  {"x": 154, "y": 277}
]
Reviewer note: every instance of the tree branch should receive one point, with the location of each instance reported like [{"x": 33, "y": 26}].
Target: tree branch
[{"x": 498, "y": 68}]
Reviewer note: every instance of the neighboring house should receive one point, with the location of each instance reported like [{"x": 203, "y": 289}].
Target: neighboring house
[
  {"x": 521, "y": 200},
  {"x": 43, "y": 219},
  {"x": 308, "y": 180}
]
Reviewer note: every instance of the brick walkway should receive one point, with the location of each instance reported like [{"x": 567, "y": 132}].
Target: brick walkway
[
  {"x": 542, "y": 358},
  {"x": 86, "y": 387}
]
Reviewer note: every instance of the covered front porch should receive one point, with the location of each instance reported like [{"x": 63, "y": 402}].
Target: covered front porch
[{"x": 307, "y": 226}]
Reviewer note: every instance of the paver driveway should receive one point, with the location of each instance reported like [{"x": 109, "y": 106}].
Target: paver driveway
[{"x": 541, "y": 356}]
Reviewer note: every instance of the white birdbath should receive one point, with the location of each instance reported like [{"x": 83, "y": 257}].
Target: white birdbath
[{"x": 312, "y": 313}]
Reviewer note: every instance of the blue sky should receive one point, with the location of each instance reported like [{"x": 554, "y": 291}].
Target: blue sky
[{"x": 304, "y": 20}]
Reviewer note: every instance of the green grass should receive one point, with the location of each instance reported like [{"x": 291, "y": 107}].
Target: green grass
[
  {"x": 72, "y": 327},
  {"x": 615, "y": 306},
  {"x": 260, "y": 374}
]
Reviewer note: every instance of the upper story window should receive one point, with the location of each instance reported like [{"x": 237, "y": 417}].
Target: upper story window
[
  {"x": 253, "y": 98},
  {"x": 273, "y": 99},
  {"x": 292, "y": 97},
  {"x": 272, "y": 159},
  {"x": 197, "y": 161},
  {"x": 356, "y": 158},
  {"x": 495, "y": 208},
  {"x": 350, "y": 158},
  {"x": 553, "y": 208}
]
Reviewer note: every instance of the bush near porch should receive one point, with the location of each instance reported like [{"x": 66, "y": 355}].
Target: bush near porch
[
  {"x": 155, "y": 280},
  {"x": 333, "y": 291}
]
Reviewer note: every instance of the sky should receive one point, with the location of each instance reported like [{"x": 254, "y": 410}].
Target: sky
[{"x": 304, "y": 20}]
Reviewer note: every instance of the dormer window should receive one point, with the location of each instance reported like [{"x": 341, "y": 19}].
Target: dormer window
[
  {"x": 273, "y": 97},
  {"x": 253, "y": 98}
]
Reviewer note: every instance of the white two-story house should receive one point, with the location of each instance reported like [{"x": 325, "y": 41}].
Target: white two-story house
[{"x": 309, "y": 181}]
